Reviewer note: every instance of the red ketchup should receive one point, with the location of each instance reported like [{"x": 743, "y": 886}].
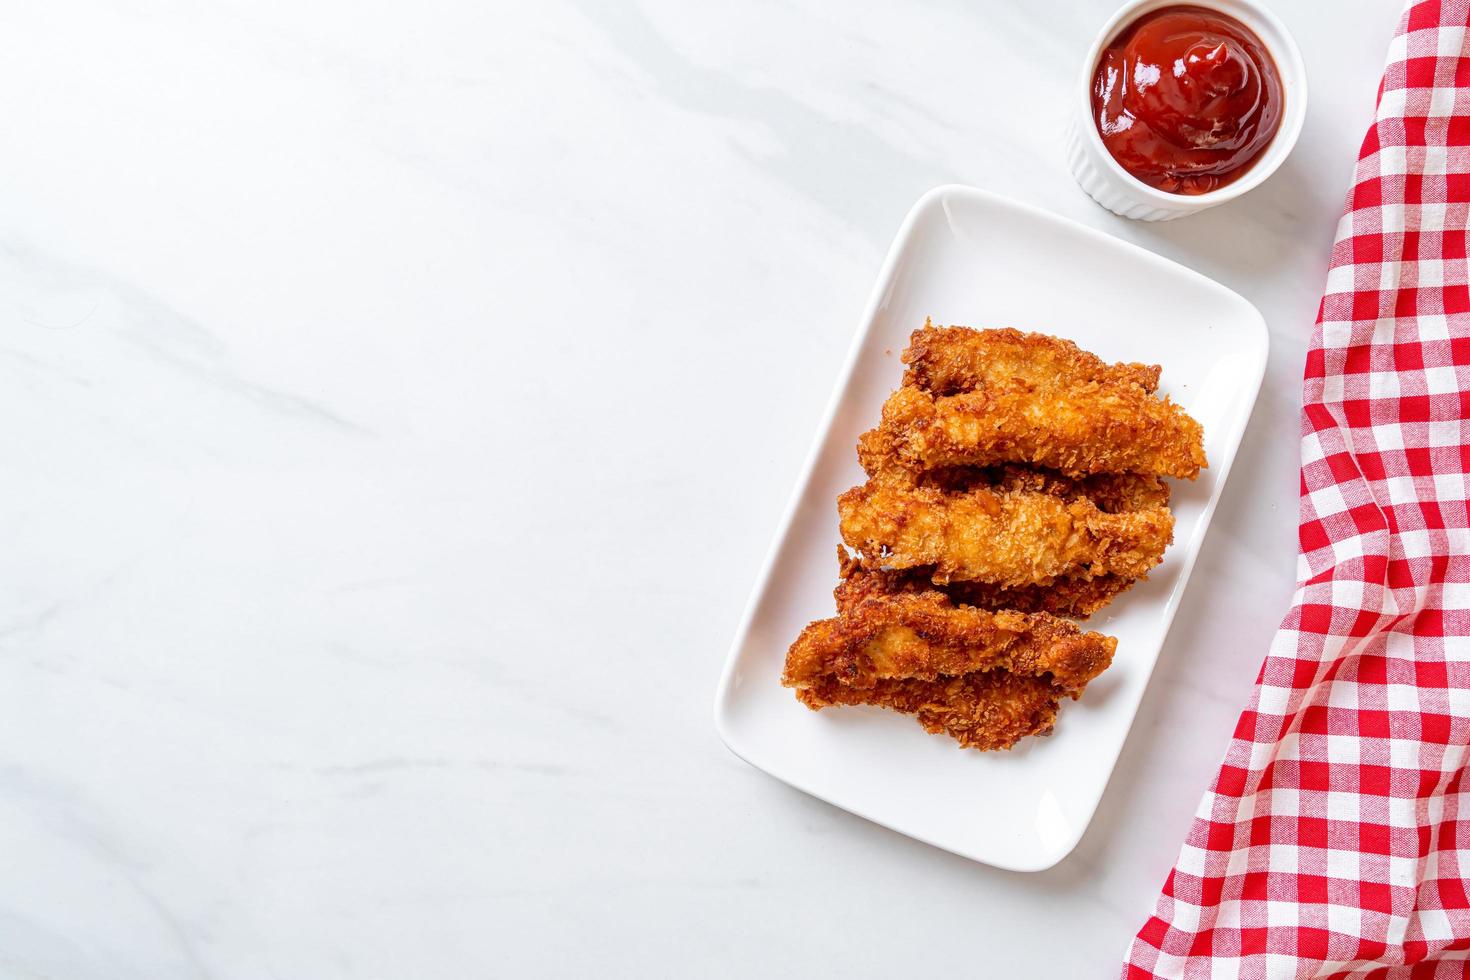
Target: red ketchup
[{"x": 1186, "y": 99}]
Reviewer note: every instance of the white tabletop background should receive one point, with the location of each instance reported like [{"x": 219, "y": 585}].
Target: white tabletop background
[{"x": 399, "y": 400}]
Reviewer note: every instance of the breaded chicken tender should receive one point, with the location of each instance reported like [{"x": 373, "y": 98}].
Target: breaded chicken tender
[
  {"x": 924, "y": 636},
  {"x": 1099, "y": 427},
  {"x": 1008, "y": 538},
  {"x": 985, "y": 679},
  {"x": 948, "y": 360}
]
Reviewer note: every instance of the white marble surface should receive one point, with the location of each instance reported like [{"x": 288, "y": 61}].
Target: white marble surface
[{"x": 399, "y": 400}]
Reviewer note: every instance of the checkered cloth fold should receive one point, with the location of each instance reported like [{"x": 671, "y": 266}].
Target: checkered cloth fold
[{"x": 1335, "y": 841}]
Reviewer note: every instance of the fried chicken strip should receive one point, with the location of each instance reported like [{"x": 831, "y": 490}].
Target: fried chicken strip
[
  {"x": 1008, "y": 538},
  {"x": 985, "y": 679},
  {"x": 1097, "y": 427},
  {"x": 949, "y": 360},
  {"x": 924, "y": 636},
  {"x": 990, "y": 710},
  {"x": 1078, "y": 597}
]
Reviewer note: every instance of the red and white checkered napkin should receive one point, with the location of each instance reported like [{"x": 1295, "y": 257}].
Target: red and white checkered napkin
[{"x": 1335, "y": 841}]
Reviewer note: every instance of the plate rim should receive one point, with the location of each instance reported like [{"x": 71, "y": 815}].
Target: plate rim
[{"x": 884, "y": 283}]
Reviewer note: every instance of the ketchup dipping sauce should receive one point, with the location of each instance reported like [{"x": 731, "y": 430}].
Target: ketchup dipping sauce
[{"x": 1186, "y": 99}]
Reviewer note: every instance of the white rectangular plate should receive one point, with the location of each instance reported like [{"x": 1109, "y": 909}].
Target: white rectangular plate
[{"x": 964, "y": 256}]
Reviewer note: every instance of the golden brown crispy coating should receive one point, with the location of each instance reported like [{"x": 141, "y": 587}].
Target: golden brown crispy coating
[
  {"x": 949, "y": 360},
  {"x": 1010, "y": 538},
  {"x": 985, "y": 679},
  {"x": 1114, "y": 493},
  {"x": 1064, "y": 597},
  {"x": 989, "y": 710},
  {"x": 1094, "y": 428},
  {"x": 1014, "y": 478},
  {"x": 923, "y": 635}
]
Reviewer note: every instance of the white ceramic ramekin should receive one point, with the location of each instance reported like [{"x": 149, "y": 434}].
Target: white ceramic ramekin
[{"x": 1119, "y": 191}]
